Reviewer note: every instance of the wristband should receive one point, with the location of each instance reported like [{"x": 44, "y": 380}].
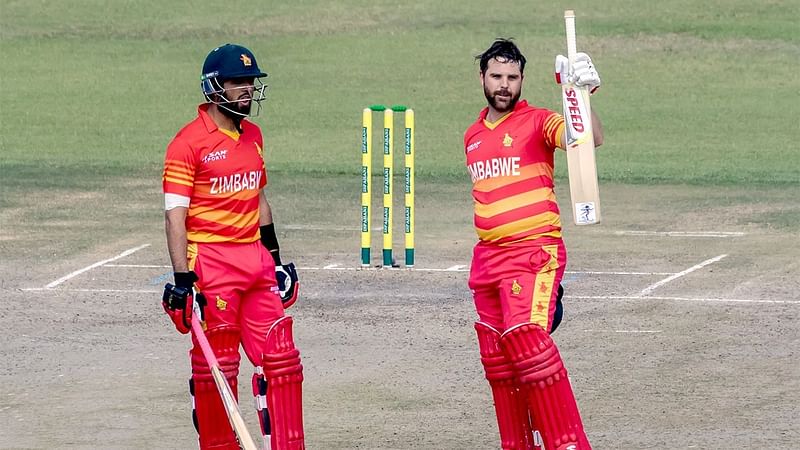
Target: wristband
[
  {"x": 185, "y": 279},
  {"x": 270, "y": 241},
  {"x": 276, "y": 256}
]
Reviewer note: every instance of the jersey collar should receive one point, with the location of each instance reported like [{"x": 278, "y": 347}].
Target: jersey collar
[
  {"x": 202, "y": 112},
  {"x": 492, "y": 125},
  {"x": 211, "y": 126}
]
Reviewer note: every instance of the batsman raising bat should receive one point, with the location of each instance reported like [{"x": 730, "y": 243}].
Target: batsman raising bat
[
  {"x": 222, "y": 244},
  {"x": 520, "y": 258}
]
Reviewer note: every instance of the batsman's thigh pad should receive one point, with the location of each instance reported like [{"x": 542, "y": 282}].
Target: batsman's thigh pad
[
  {"x": 210, "y": 418},
  {"x": 551, "y": 402},
  {"x": 284, "y": 374},
  {"x": 509, "y": 402}
]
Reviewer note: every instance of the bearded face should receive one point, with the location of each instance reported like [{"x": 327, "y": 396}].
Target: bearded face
[
  {"x": 502, "y": 100},
  {"x": 238, "y": 93},
  {"x": 502, "y": 84}
]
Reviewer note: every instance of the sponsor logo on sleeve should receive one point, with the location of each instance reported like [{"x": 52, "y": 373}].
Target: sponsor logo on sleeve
[{"x": 473, "y": 146}]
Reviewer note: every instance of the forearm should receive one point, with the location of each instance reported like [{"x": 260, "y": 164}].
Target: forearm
[
  {"x": 597, "y": 130},
  {"x": 267, "y": 228},
  {"x": 285, "y": 275},
  {"x": 264, "y": 210},
  {"x": 177, "y": 244}
]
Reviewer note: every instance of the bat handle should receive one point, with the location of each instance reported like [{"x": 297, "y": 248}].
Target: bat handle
[{"x": 572, "y": 46}]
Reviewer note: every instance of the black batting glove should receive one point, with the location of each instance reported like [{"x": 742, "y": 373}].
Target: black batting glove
[{"x": 178, "y": 300}]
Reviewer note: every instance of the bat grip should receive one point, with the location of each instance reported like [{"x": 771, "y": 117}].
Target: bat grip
[{"x": 572, "y": 46}]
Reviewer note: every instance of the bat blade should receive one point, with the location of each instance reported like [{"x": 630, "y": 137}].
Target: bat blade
[
  {"x": 225, "y": 392},
  {"x": 232, "y": 408},
  {"x": 581, "y": 164}
]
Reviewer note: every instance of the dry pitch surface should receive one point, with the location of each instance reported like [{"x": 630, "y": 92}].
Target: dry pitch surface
[{"x": 682, "y": 330}]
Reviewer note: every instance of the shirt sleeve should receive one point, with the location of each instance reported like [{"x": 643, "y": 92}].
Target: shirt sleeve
[
  {"x": 553, "y": 130},
  {"x": 179, "y": 169}
]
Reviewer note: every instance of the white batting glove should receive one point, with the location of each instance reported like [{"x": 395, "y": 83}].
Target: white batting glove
[{"x": 582, "y": 73}]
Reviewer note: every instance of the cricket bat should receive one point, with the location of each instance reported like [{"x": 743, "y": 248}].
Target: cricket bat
[
  {"x": 581, "y": 165},
  {"x": 228, "y": 400}
]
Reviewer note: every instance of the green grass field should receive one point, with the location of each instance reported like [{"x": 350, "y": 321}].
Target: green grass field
[
  {"x": 92, "y": 91},
  {"x": 693, "y": 93}
]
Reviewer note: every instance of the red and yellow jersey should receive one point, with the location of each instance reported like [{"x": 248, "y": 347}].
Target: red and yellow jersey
[
  {"x": 511, "y": 166},
  {"x": 221, "y": 173}
]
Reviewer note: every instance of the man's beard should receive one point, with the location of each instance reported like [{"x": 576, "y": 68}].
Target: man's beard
[
  {"x": 237, "y": 110},
  {"x": 491, "y": 97}
]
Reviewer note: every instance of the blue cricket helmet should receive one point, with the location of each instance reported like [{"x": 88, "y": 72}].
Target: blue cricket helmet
[{"x": 227, "y": 62}]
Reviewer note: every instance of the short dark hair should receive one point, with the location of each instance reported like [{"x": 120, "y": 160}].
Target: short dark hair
[{"x": 502, "y": 49}]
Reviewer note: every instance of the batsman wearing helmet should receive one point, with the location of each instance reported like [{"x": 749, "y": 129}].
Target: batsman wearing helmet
[
  {"x": 519, "y": 260},
  {"x": 225, "y": 256}
]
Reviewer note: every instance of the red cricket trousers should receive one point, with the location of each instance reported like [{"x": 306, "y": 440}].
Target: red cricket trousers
[
  {"x": 238, "y": 281},
  {"x": 517, "y": 283}
]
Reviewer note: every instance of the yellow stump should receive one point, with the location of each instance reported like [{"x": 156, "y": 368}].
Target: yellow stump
[
  {"x": 388, "y": 165},
  {"x": 388, "y": 173},
  {"x": 366, "y": 180},
  {"x": 409, "y": 188}
]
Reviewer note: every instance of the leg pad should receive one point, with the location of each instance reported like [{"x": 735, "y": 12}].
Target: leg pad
[
  {"x": 509, "y": 402},
  {"x": 209, "y": 416},
  {"x": 284, "y": 375},
  {"x": 550, "y": 399}
]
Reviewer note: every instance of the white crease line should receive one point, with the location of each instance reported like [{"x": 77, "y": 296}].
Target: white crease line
[
  {"x": 455, "y": 268},
  {"x": 682, "y": 299},
  {"x": 320, "y": 227},
  {"x": 139, "y": 266},
  {"x": 583, "y": 297},
  {"x": 97, "y": 264},
  {"x": 590, "y": 272},
  {"x": 653, "y": 286},
  {"x": 465, "y": 268},
  {"x": 124, "y": 291},
  {"x": 720, "y": 234},
  {"x": 449, "y": 269},
  {"x": 622, "y": 331}
]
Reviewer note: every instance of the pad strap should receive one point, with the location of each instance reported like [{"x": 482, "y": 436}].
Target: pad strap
[
  {"x": 284, "y": 374},
  {"x": 260, "y": 394},
  {"x": 509, "y": 402},
  {"x": 550, "y": 399}
]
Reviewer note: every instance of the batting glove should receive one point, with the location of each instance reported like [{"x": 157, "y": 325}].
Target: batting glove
[
  {"x": 288, "y": 285},
  {"x": 178, "y": 301},
  {"x": 582, "y": 73}
]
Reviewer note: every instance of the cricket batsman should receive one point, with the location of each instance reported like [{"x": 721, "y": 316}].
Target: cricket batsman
[
  {"x": 520, "y": 258},
  {"x": 225, "y": 256}
]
